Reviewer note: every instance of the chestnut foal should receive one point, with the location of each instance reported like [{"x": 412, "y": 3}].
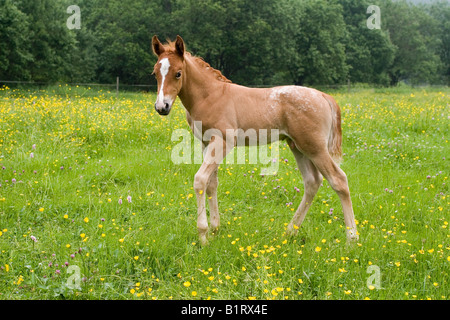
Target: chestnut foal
[{"x": 309, "y": 120}]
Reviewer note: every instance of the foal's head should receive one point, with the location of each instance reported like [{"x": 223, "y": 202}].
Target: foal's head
[{"x": 169, "y": 70}]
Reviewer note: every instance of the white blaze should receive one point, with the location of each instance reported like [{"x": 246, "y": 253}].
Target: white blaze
[{"x": 164, "y": 69}]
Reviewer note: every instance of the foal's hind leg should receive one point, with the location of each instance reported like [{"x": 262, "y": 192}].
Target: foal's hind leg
[
  {"x": 338, "y": 181},
  {"x": 311, "y": 181}
]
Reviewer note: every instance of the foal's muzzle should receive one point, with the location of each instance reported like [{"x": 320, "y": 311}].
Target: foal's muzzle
[{"x": 164, "y": 107}]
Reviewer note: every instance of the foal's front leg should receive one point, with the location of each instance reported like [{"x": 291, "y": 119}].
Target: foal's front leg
[
  {"x": 211, "y": 191},
  {"x": 215, "y": 153}
]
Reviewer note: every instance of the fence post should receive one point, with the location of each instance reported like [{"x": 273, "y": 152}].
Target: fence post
[
  {"x": 348, "y": 85},
  {"x": 117, "y": 86}
]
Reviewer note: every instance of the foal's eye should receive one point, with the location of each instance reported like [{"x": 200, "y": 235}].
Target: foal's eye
[{"x": 178, "y": 75}]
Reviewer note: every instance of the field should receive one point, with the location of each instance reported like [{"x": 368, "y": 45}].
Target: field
[{"x": 92, "y": 207}]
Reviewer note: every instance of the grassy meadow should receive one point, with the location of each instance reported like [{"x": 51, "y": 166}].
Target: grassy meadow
[{"x": 92, "y": 207}]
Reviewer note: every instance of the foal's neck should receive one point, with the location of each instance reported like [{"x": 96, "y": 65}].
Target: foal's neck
[{"x": 198, "y": 84}]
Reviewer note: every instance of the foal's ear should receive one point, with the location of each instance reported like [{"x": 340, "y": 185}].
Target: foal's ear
[
  {"x": 157, "y": 46},
  {"x": 179, "y": 46}
]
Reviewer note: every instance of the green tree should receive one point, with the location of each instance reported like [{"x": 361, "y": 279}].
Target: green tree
[
  {"x": 415, "y": 34},
  {"x": 83, "y": 57},
  {"x": 14, "y": 42},
  {"x": 320, "y": 52},
  {"x": 440, "y": 11},
  {"x": 51, "y": 43},
  {"x": 122, "y": 32},
  {"x": 264, "y": 42},
  {"x": 369, "y": 52},
  {"x": 237, "y": 37}
]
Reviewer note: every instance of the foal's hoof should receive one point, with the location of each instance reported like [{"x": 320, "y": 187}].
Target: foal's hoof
[
  {"x": 203, "y": 240},
  {"x": 352, "y": 235},
  {"x": 292, "y": 230}
]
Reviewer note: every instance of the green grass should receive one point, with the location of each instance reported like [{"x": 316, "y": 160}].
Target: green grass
[{"x": 74, "y": 152}]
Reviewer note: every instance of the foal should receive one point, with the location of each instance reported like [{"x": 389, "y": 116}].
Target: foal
[{"x": 309, "y": 120}]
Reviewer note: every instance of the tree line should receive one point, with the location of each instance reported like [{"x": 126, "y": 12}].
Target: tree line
[{"x": 253, "y": 42}]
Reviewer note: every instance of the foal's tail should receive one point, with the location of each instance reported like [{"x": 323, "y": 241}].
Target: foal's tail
[{"x": 335, "y": 139}]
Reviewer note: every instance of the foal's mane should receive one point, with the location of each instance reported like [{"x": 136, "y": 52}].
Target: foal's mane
[{"x": 170, "y": 47}]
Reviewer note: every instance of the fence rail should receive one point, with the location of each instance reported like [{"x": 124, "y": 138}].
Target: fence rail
[
  {"x": 75, "y": 83},
  {"x": 148, "y": 87}
]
